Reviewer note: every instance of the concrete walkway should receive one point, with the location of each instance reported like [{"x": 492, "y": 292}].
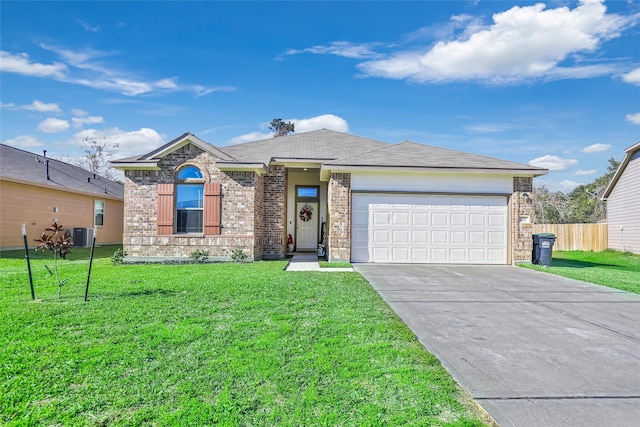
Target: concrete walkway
[
  {"x": 533, "y": 349},
  {"x": 309, "y": 262}
]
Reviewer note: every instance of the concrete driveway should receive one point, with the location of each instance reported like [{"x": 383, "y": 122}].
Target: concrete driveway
[{"x": 533, "y": 349}]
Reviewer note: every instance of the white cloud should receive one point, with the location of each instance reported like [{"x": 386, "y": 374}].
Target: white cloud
[
  {"x": 633, "y": 118},
  {"x": 567, "y": 185},
  {"x": 324, "y": 121},
  {"x": 78, "y": 112},
  {"x": 596, "y": 148},
  {"x": 87, "y": 120},
  {"x": 129, "y": 143},
  {"x": 553, "y": 163},
  {"x": 632, "y": 77},
  {"x": 88, "y": 68},
  {"x": 23, "y": 141},
  {"x": 42, "y": 107},
  {"x": 89, "y": 28},
  {"x": 53, "y": 125},
  {"x": 340, "y": 48},
  {"x": 248, "y": 137},
  {"x": 585, "y": 172},
  {"x": 20, "y": 64},
  {"x": 522, "y": 43},
  {"x": 9, "y": 105}
]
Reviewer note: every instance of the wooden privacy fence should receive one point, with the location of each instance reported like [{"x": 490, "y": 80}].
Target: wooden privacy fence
[{"x": 576, "y": 237}]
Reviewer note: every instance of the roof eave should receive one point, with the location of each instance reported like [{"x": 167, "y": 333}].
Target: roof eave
[
  {"x": 258, "y": 168},
  {"x": 327, "y": 168},
  {"x": 139, "y": 165},
  {"x": 623, "y": 165},
  {"x": 108, "y": 195}
]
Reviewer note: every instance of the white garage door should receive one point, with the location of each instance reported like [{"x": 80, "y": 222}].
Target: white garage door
[{"x": 401, "y": 228}]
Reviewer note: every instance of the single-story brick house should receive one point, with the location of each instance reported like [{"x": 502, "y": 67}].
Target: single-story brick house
[
  {"x": 623, "y": 203},
  {"x": 370, "y": 201}
]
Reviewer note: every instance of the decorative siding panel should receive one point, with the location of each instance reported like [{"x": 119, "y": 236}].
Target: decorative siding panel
[
  {"x": 212, "y": 208},
  {"x": 623, "y": 209},
  {"x": 165, "y": 209}
]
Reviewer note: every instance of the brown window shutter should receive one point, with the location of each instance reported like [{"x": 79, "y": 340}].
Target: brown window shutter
[
  {"x": 165, "y": 208},
  {"x": 212, "y": 208}
]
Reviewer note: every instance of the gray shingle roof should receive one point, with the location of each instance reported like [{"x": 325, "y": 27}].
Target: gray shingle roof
[
  {"x": 29, "y": 167},
  {"x": 342, "y": 149},
  {"x": 320, "y": 144},
  {"x": 411, "y": 154}
]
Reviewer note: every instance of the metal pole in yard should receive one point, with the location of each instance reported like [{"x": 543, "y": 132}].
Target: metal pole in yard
[
  {"x": 26, "y": 255},
  {"x": 93, "y": 245}
]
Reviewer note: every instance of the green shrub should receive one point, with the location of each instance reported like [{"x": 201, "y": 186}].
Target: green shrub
[
  {"x": 118, "y": 256},
  {"x": 199, "y": 255}
]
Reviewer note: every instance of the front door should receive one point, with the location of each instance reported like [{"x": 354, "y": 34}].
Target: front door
[{"x": 307, "y": 226}]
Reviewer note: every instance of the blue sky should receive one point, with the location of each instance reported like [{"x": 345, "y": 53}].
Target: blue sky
[{"x": 554, "y": 84}]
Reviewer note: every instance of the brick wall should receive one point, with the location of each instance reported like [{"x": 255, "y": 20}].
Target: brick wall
[
  {"x": 240, "y": 208},
  {"x": 339, "y": 207},
  {"x": 521, "y": 219},
  {"x": 257, "y": 216},
  {"x": 274, "y": 213}
]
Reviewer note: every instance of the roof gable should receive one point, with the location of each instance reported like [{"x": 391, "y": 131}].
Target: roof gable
[
  {"x": 25, "y": 167},
  {"x": 181, "y": 141},
  {"x": 630, "y": 153}
]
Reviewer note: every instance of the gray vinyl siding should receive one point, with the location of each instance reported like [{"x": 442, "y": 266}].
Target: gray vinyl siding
[{"x": 623, "y": 209}]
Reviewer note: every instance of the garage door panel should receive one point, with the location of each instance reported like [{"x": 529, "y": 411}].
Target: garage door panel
[
  {"x": 381, "y": 237},
  {"x": 458, "y": 255},
  {"x": 400, "y": 218},
  {"x": 496, "y": 237},
  {"x": 496, "y": 220},
  {"x": 381, "y": 218},
  {"x": 400, "y": 254},
  {"x": 439, "y": 219},
  {"x": 477, "y": 238},
  {"x": 458, "y": 238},
  {"x": 420, "y": 237},
  {"x": 406, "y": 228},
  {"x": 439, "y": 255},
  {"x": 458, "y": 219},
  {"x": 439, "y": 237},
  {"x": 400, "y": 237},
  {"x": 477, "y": 219},
  {"x": 419, "y": 218}
]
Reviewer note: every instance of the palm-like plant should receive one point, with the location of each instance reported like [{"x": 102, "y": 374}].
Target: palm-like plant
[{"x": 58, "y": 241}]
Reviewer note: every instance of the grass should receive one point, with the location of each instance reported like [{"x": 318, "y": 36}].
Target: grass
[
  {"x": 620, "y": 270},
  {"x": 211, "y": 344},
  {"x": 329, "y": 264}
]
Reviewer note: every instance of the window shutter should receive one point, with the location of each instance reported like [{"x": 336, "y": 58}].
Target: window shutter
[
  {"x": 212, "y": 208},
  {"x": 165, "y": 208}
]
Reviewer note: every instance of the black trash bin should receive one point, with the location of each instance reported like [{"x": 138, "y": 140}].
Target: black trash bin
[{"x": 543, "y": 248}]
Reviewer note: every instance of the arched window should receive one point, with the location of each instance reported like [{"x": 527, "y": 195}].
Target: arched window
[
  {"x": 189, "y": 200},
  {"x": 189, "y": 204}
]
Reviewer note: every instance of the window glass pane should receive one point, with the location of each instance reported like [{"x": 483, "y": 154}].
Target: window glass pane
[
  {"x": 99, "y": 213},
  {"x": 189, "y": 196},
  {"x": 189, "y": 221},
  {"x": 307, "y": 192},
  {"x": 190, "y": 172}
]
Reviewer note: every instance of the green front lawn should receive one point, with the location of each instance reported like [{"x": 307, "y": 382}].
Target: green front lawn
[
  {"x": 620, "y": 270},
  {"x": 208, "y": 344}
]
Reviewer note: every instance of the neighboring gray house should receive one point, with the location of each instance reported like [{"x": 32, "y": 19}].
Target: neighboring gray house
[
  {"x": 379, "y": 202},
  {"x": 623, "y": 203}
]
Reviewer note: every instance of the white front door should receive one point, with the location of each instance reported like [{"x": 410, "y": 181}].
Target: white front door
[{"x": 307, "y": 226}]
